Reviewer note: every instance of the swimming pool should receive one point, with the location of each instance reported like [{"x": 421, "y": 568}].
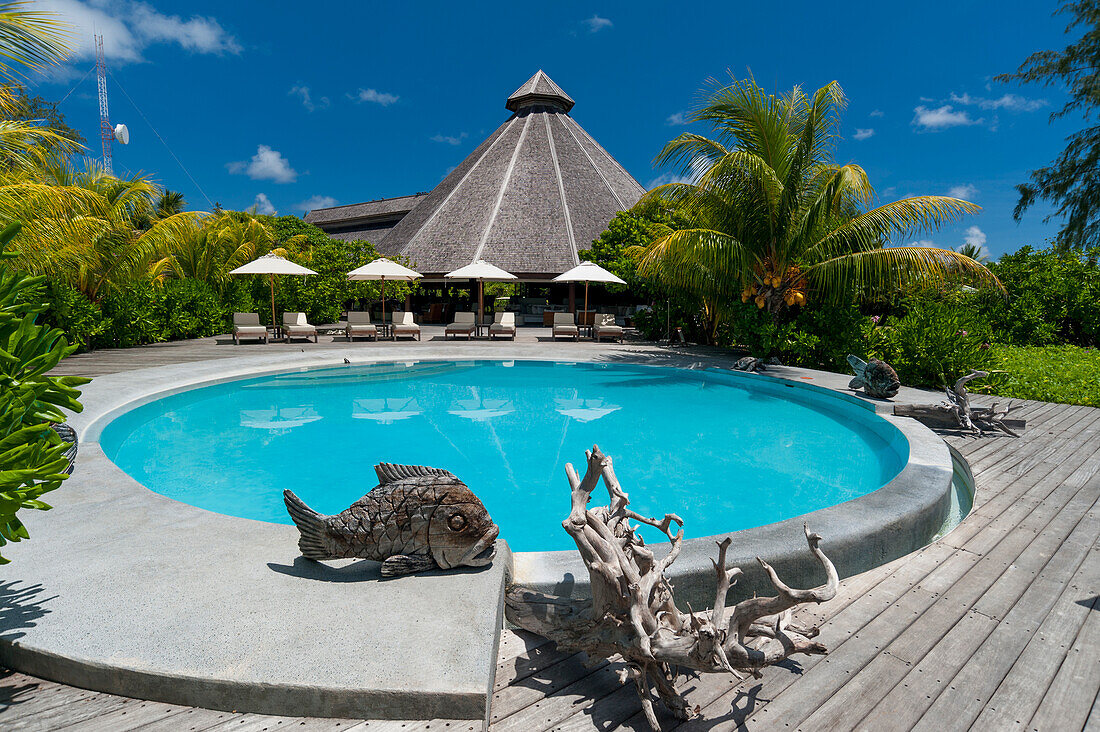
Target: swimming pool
[{"x": 725, "y": 451}]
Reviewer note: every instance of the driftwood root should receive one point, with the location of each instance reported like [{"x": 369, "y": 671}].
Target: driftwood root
[{"x": 632, "y": 612}]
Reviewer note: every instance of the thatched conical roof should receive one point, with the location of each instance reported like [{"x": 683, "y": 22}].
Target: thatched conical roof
[{"x": 526, "y": 199}]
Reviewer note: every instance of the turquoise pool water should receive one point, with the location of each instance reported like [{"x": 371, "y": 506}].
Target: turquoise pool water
[{"x": 724, "y": 451}]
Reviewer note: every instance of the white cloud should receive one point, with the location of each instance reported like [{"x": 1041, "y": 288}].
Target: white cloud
[
  {"x": 595, "y": 24},
  {"x": 877, "y": 113},
  {"x": 128, "y": 28},
  {"x": 303, "y": 93},
  {"x": 314, "y": 202},
  {"x": 965, "y": 191},
  {"x": 942, "y": 118},
  {"x": 375, "y": 96},
  {"x": 921, "y": 243},
  {"x": 263, "y": 205},
  {"x": 449, "y": 139},
  {"x": 1011, "y": 102},
  {"x": 677, "y": 119},
  {"x": 974, "y": 236},
  {"x": 863, "y": 134},
  {"x": 266, "y": 164},
  {"x": 666, "y": 178}
]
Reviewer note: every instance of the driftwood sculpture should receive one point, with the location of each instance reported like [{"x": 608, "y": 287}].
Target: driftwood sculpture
[
  {"x": 632, "y": 611},
  {"x": 956, "y": 412},
  {"x": 416, "y": 519},
  {"x": 875, "y": 377}
]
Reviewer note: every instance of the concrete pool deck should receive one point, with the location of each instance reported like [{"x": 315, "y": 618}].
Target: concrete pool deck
[{"x": 146, "y": 617}]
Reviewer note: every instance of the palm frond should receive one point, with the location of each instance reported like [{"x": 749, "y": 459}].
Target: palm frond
[{"x": 884, "y": 270}]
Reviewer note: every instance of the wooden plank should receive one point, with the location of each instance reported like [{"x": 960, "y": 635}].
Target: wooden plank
[
  {"x": 58, "y": 716},
  {"x": 550, "y": 710},
  {"x": 129, "y": 717},
  {"x": 192, "y": 719},
  {"x": 530, "y": 691},
  {"x": 1020, "y": 693},
  {"x": 1077, "y": 682}
]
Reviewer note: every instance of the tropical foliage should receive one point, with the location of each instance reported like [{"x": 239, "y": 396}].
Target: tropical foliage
[
  {"x": 771, "y": 218},
  {"x": 32, "y": 455},
  {"x": 1072, "y": 182}
]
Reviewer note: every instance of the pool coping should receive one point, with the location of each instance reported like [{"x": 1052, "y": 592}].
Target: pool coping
[{"x": 856, "y": 537}]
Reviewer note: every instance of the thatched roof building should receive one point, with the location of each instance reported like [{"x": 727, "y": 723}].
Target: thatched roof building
[{"x": 526, "y": 199}]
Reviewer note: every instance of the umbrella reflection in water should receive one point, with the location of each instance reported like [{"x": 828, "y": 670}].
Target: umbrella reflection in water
[
  {"x": 385, "y": 411},
  {"x": 278, "y": 419},
  {"x": 482, "y": 410},
  {"x": 585, "y": 410}
]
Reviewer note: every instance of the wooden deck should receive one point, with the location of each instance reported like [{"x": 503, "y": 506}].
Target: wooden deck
[{"x": 995, "y": 627}]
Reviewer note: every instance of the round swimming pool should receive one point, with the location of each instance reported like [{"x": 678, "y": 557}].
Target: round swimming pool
[{"x": 725, "y": 451}]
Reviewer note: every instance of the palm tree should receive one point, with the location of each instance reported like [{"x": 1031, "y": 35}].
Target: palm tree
[
  {"x": 772, "y": 218},
  {"x": 168, "y": 203},
  {"x": 973, "y": 251},
  {"x": 80, "y": 225},
  {"x": 223, "y": 243},
  {"x": 29, "y": 40}
]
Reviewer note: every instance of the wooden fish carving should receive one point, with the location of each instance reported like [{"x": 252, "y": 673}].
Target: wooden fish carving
[
  {"x": 875, "y": 377},
  {"x": 416, "y": 519}
]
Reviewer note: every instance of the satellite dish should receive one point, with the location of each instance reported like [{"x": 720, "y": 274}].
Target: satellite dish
[{"x": 122, "y": 133}]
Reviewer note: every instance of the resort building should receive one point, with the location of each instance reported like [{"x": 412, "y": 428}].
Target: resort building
[{"x": 527, "y": 199}]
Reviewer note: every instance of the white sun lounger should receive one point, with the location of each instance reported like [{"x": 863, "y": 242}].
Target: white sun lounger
[
  {"x": 564, "y": 327},
  {"x": 464, "y": 325},
  {"x": 504, "y": 324},
  {"x": 247, "y": 325},
  {"x": 403, "y": 325},
  {"x": 295, "y": 325},
  {"x": 606, "y": 328},
  {"x": 359, "y": 326}
]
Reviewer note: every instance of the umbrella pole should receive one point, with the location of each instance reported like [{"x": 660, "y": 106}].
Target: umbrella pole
[
  {"x": 586, "y": 302},
  {"x": 383, "y": 302},
  {"x": 271, "y": 280},
  {"x": 480, "y": 301}
]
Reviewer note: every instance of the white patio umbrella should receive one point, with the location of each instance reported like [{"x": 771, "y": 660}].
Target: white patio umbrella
[
  {"x": 588, "y": 272},
  {"x": 480, "y": 271},
  {"x": 272, "y": 264},
  {"x": 384, "y": 269}
]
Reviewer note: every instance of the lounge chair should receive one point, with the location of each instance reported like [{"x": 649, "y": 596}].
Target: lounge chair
[
  {"x": 464, "y": 325},
  {"x": 564, "y": 327},
  {"x": 606, "y": 328},
  {"x": 403, "y": 325},
  {"x": 359, "y": 326},
  {"x": 504, "y": 324},
  {"x": 247, "y": 325},
  {"x": 295, "y": 325}
]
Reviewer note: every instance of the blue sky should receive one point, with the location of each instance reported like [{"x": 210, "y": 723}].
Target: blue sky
[{"x": 292, "y": 105}]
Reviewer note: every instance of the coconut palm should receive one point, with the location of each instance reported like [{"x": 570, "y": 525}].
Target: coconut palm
[
  {"x": 974, "y": 251},
  {"x": 223, "y": 243},
  {"x": 773, "y": 219},
  {"x": 79, "y": 225},
  {"x": 29, "y": 40},
  {"x": 168, "y": 203}
]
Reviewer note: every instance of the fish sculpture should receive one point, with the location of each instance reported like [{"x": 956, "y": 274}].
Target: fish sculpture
[
  {"x": 415, "y": 519},
  {"x": 875, "y": 377}
]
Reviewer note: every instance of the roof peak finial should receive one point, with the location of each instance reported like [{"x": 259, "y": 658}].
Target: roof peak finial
[{"x": 540, "y": 89}]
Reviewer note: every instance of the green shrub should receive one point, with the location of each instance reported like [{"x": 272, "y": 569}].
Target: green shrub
[
  {"x": 190, "y": 309},
  {"x": 819, "y": 337},
  {"x": 933, "y": 344},
  {"x": 134, "y": 316},
  {"x": 1053, "y": 297},
  {"x": 80, "y": 318},
  {"x": 32, "y": 454}
]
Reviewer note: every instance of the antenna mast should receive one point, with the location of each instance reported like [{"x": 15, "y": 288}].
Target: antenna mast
[{"x": 106, "y": 132}]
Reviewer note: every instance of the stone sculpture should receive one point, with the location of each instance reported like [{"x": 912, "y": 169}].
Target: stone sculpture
[
  {"x": 957, "y": 413},
  {"x": 632, "y": 611},
  {"x": 875, "y": 377},
  {"x": 416, "y": 519}
]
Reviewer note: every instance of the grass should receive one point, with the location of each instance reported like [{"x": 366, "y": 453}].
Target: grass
[{"x": 1063, "y": 374}]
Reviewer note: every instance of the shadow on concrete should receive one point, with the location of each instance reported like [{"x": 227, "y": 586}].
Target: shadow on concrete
[
  {"x": 360, "y": 570},
  {"x": 20, "y": 606}
]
